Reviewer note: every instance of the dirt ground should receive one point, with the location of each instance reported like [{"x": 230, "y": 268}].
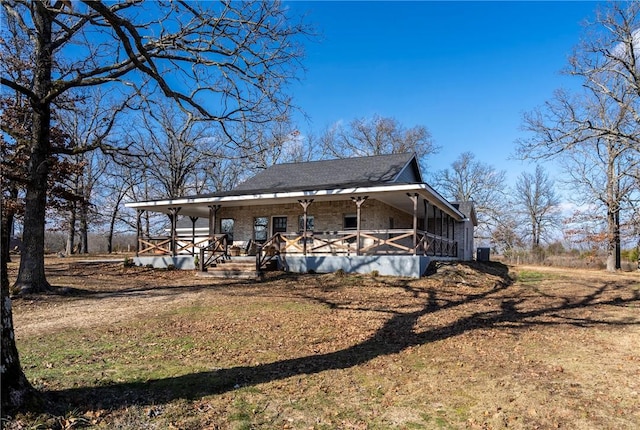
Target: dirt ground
[{"x": 472, "y": 346}]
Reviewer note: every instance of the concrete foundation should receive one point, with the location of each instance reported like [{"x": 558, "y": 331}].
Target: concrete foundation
[
  {"x": 182, "y": 262},
  {"x": 413, "y": 266}
]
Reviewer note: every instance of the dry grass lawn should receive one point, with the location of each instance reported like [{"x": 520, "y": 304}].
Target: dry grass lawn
[{"x": 472, "y": 346}]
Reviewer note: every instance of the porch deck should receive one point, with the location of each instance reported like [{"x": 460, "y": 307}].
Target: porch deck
[{"x": 363, "y": 251}]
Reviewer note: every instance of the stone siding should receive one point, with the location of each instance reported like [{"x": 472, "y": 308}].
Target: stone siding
[{"x": 328, "y": 216}]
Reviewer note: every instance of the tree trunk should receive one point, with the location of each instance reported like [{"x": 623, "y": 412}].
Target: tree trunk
[
  {"x": 31, "y": 276},
  {"x": 16, "y": 390},
  {"x": 84, "y": 228},
  {"x": 10, "y": 223},
  {"x": 613, "y": 215},
  {"x": 112, "y": 226},
  {"x": 71, "y": 233},
  {"x": 618, "y": 250},
  {"x": 613, "y": 240},
  {"x": 638, "y": 251}
]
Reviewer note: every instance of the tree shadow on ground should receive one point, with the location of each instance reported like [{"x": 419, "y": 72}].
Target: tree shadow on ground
[{"x": 395, "y": 335}]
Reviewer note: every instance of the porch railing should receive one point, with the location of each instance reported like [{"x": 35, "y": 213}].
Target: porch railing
[
  {"x": 269, "y": 250},
  {"x": 158, "y": 245},
  {"x": 181, "y": 245},
  {"x": 212, "y": 249},
  {"x": 364, "y": 242},
  {"x": 214, "y": 252}
]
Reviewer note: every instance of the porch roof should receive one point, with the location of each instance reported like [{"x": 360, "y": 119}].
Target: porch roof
[{"x": 394, "y": 194}]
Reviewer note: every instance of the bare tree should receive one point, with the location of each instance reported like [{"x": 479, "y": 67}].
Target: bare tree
[
  {"x": 176, "y": 151},
  {"x": 281, "y": 142},
  {"x": 470, "y": 180},
  {"x": 537, "y": 205},
  {"x": 376, "y": 136},
  {"x": 115, "y": 186},
  {"x": 182, "y": 155},
  {"x": 88, "y": 125},
  {"x": 14, "y": 121},
  {"x": 596, "y": 132},
  {"x": 586, "y": 230},
  {"x": 505, "y": 237},
  {"x": 227, "y": 62},
  {"x": 276, "y": 142}
]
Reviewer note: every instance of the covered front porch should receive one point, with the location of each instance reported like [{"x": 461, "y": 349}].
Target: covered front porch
[{"x": 427, "y": 230}]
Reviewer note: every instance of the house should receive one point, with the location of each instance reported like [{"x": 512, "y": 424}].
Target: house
[{"x": 360, "y": 214}]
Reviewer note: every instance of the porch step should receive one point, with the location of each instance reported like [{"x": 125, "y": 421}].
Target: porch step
[
  {"x": 230, "y": 274},
  {"x": 237, "y": 268}
]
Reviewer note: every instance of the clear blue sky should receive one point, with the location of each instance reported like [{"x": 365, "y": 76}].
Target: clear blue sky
[{"x": 465, "y": 70}]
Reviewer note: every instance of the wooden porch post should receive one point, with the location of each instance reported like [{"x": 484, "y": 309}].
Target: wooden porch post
[
  {"x": 213, "y": 211},
  {"x": 358, "y": 201},
  {"x": 448, "y": 228},
  {"x": 426, "y": 227},
  {"x": 434, "y": 226},
  {"x": 305, "y": 205},
  {"x": 173, "y": 215},
  {"x": 193, "y": 234},
  {"x": 441, "y": 229},
  {"x": 414, "y": 199},
  {"x": 448, "y": 224},
  {"x": 453, "y": 236},
  {"x": 138, "y": 229}
]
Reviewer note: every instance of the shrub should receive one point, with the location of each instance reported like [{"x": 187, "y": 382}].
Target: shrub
[
  {"x": 128, "y": 262},
  {"x": 630, "y": 255}
]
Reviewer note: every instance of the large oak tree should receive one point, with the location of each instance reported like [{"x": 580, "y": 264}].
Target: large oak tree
[{"x": 228, "y": 63}]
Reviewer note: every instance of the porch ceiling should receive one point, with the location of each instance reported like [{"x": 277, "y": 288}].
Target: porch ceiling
[{"x": 393, "y": 195}]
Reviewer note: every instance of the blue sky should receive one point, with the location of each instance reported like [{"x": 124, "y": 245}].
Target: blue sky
[{"x": 465, "y": 70}]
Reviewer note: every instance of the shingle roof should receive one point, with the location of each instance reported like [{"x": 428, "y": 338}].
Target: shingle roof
[{"x": 328, "y": 174}]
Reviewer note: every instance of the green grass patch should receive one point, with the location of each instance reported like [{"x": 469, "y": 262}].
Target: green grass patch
[{"x": 530, "y": 277}]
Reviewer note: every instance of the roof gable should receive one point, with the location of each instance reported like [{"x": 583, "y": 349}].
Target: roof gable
[{"x": 338, "y": 173}]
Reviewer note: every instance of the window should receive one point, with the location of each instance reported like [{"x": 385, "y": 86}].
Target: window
[
  {"x": 226, "y": 225},
  {"x": 350, "y": 222},
  {"x": 260, "y": 228},
  {"x": 310, "y": 223},
  {"x": 279, "y": 224}
]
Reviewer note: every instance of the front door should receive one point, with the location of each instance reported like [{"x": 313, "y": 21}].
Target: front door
[{"x": 279, "y": 225}]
